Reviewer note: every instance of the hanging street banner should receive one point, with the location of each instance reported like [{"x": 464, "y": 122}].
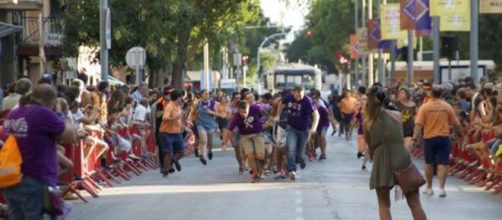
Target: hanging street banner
[
  {"x": 455, "y": 14},
  {"x": 490, "y": 6},
  {"x": 390, "y": 22},
  {"x": 374, "y": 33},
  {"x": 362, "y": 37},
  {"x": 415, "y": 14},
  {"x": 354, "y": 47},
  {"x": 403, "y": 39},
  {"x": 442, "y": 7}
]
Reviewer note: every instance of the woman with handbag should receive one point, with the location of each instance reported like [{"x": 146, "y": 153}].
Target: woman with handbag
[{"x": 392, "y": 163}]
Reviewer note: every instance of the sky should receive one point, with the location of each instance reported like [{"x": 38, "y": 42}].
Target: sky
[{"x": 279, "y": 13}]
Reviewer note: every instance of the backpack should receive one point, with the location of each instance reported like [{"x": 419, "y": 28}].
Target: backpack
[{"x": 10, "y": 163}]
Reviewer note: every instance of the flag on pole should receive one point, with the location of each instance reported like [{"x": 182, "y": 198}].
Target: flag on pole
[
  {"x": 374, "y": 33},
  {"x": 354, "y": 47},
  {"x": 415, "y": 14}
]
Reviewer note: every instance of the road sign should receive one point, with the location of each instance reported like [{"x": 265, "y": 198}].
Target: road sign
[{"x": 136, "y": 57}]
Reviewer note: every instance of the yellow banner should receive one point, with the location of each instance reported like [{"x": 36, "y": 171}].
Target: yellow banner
[
  {"x": 390, "y": 22},
  {"x": 443, "y": 7},
  {"x": 362, "y": 36},
  {"x": 490, "y": 6},
  {"x": 455, "y": 14}
]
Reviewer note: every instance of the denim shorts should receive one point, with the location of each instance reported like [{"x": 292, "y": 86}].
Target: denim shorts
[
  {"x": 437, "y": 150},
  {"x": 173, "y": 143}
]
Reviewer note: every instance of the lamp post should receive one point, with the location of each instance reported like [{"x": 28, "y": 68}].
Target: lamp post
[
  {"x": 258, "y": 56},
  {"x": 103, "y": 12}
]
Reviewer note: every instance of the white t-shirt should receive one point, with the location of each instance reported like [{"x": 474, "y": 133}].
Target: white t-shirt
[{"x": 140, "y": 113}]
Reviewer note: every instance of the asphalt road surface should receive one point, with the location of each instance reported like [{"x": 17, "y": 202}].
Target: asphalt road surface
[{"x": 336, "y": 188}]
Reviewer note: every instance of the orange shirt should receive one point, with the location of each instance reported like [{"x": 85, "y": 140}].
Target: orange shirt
[
  {"x": 348, "y": 105},
  {"x": 436, "y": 116},
  {"x": 171, "y": 126}
]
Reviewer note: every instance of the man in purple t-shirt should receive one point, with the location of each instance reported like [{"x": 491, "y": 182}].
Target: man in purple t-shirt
[
  {"x": 302, "y": 122},
  {"x": 247, "y": 121},
  {"x": 37, "y": 128}
]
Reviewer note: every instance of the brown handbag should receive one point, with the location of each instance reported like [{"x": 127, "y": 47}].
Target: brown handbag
[{"x": 409, "y": 179}]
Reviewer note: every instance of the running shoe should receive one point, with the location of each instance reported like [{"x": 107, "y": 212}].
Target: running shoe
[
  {"x": 303, "y": 164},
  {"x": 203, "y": 161},
  {"x": 428, "y": 192},
  {"x": 280, "y": 177},
  {"x": 164, "y": 174},
  {"x": 322, "y": 157},
  {"x": 196, "y": 152},
  {"x": 442, "y": 193},
  {"x": 292, "y": 176},
  {"x": 364, "y": 168},
  {"x": 171, "y": 170},
  {"x": 210, "y": 155},
  {"x": 241, "y": 171},
  {"x": 359, "y": 155},
  {"x": 177, "y": 165}
]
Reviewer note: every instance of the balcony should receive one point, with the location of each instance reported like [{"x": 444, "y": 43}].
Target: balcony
[
  {"x": 21, "y": 4},
  {"x": 30, "y": 37}
]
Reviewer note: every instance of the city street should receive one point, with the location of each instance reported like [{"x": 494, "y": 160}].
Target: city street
[{"x": 332, "y": 189}]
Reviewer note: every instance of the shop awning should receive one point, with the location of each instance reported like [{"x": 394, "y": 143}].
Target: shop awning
[{"x": 8, "y": 29}]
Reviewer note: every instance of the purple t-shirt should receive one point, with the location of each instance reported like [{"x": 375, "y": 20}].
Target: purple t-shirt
[
  {"x": 300, "y": 112},
  {"x": 322, "y": 108},
  {"x": 36, "y": 129},
  {"x": 249, "y": 125}
]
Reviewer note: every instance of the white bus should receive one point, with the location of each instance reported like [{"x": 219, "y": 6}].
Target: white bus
[{"x": 289, "y": 75}]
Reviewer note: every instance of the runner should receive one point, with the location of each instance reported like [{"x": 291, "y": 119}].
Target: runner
[
  {"x": 322, "y": 127},
  {"x": 302, "y": 114},
  {"x": 251, "y": 139},
  {"x": 206, "y": 126},
  {"x": 170, "y": 133},
  {"x": 348, "y": 107}
]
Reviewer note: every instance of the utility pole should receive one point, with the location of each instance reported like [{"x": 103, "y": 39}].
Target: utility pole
[
  {"x": 436, "y": 21},
  {"x": 206, "y": 67},
  {"x": 474, "y": 40},
  {"x": 371, "y": 77},
  {"x": 380, "y": 52},
  {"x": 363, "y": 18},
  {"x": 356, "y": 21},
  {"x": 103, "y": 10}
]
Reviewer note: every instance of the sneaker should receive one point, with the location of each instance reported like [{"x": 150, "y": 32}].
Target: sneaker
[
  {"x": 165, "y": 174},
  {"x": 171, "y": 170},
  {"x": 203, "y": 161},
  {"x": 254, "y": 179},
  {"x": 442, "y": 193},
  {"x": 428, "y": 192},
  {"x": 303, "y": 164},
  {"x": 196, "y": 153},
  {"x": 241, "y": 171},
  {"x": 364, "y": 168},
  {"x": 177, "y": 165},
  {"x": 280, "y": 177},
  {"x": 210, "y": 155},
  {"x": 322, "y": 157},
  {"x": 292, "y": 176},
  {"x": 359, "y": 155}
]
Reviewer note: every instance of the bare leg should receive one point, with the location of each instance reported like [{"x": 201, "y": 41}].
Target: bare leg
[
  {"x": 417, "y": 211},
  {"x": 442, "y": 170},
  {"x": 203, "y": 138},
  {"x": 407, "y": 143},
  {"x": 322, "y": 144},
  {"x": 383, "y": 194},
  {"x": 65, "y": 164},
  {"x": 429, "y": 169}
]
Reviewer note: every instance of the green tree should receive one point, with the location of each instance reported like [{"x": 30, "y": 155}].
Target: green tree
[{"x": 172, "y": 31}]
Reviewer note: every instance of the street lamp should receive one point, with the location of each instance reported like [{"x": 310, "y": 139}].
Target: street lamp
[{"x": 258, "y": 56}]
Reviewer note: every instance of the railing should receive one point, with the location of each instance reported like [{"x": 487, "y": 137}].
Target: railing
[{"x": 53, "y": 31}]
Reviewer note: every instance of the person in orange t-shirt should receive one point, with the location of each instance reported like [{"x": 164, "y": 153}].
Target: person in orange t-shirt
[
  {"x": 436, "y": 118},
  {"x": 170, "y": 132},
  {"x": 348, "y": 107}
]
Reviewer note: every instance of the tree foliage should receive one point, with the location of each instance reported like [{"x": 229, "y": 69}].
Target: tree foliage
[{"x": 171, "y": 31}]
